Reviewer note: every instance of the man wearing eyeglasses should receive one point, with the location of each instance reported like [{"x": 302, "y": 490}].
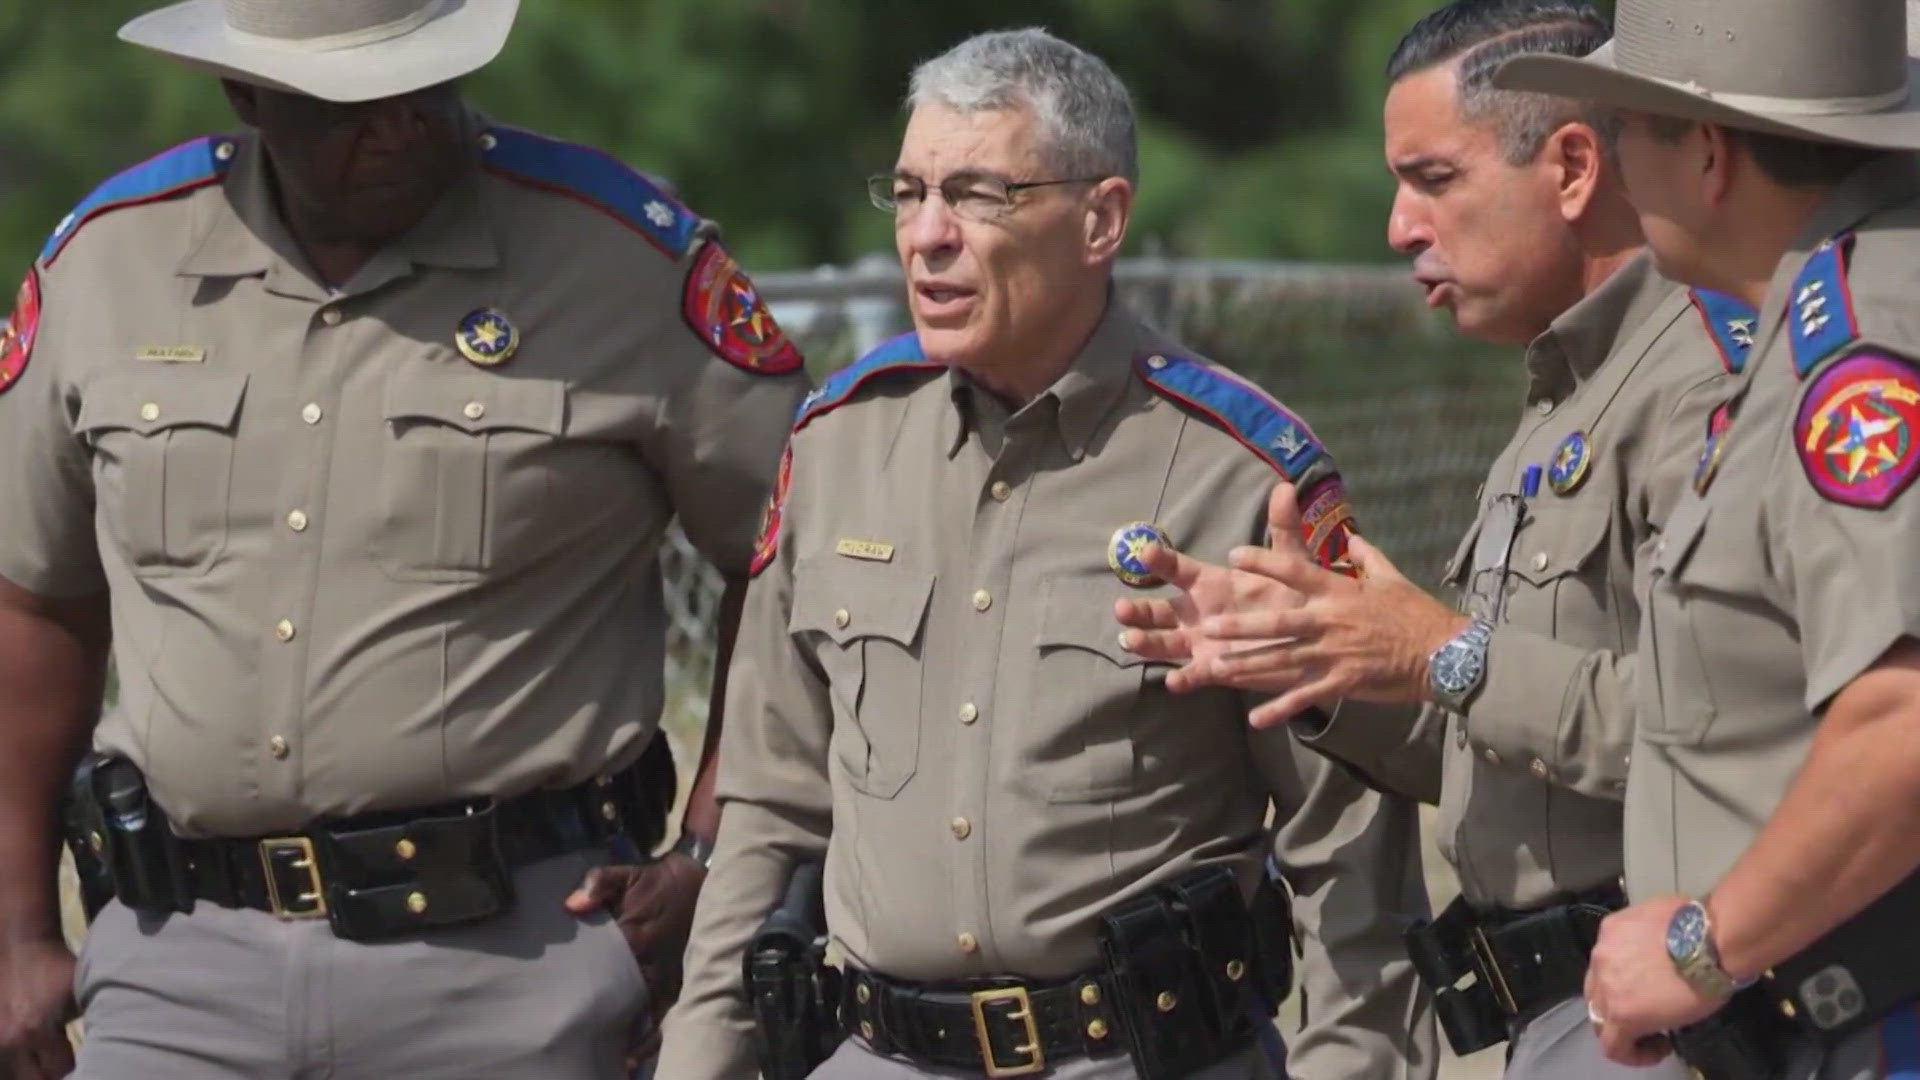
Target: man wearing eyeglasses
[{"x": 1036, "y": 860}]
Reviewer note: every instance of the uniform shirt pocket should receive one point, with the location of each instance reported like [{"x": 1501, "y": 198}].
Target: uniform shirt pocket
[
  {"x": 863, "y": 623},
  {"x": 162, "y": 444},
  {"x": 1088, "y": 697},
  {"x": 1557, "y": 577},
  {"x": 465, "y": 459},
  {"x": 1672, "y": 639}
]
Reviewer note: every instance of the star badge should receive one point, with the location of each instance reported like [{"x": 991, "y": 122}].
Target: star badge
[
  {"x": 487, "y": 337},
  {"x": 1125, "y": 549}
]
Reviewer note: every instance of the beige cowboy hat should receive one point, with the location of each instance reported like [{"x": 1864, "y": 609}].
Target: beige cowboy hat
[
  {"x": 1829, "y": 70},
  {"x": 337, "y": 50}
]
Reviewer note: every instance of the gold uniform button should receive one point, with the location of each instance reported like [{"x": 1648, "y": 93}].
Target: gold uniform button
[
  {"x": 311, "y": 413},
  {"x": 330, "y": 316},
  {"x": 1002, "y": 491},
  {"x": 1492, "y": 756},
  {"x": 1096, "y": 1028},
  {"x": 1156, "y": 362},
  {"x": 982, "y": 600},
  {"x": 968, "y": 943},
  {"x": 1090, "y": 994},
  {"x": 842, "y": 617},
  {"x": 1166, "y": 1002},
  {"x": 1236, "y": 971},
  {"x": 417, "y": 903},
  {"x": 149, "y": 412},
  {"x": 1538, "y": 768},
  {"x": 962, "y": 828},
  {"x": 277, "y": 746},
  {"x": 864, "y": 993},
  {"x": 1540, "y": 562},
  {"x": 283, "y": 630},
  {"x": 474, "y": 410},
  {"x": 223, "y": 151},
  {"x": 969, "y": 713},
  {"x": 1543, "y": 407},
  {"x": 609, "y": 811},
  {"x": 297, "y": 521},
  {"x": 405, "y": 849}
]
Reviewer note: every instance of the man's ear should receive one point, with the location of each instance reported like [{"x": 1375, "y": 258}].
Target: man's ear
[
  {"x": 1579, "y": 160},
  {"x": 1716, "y": 162},
  {"x": 244, "y": 99},
  {"x": 1109, "y": 211}
]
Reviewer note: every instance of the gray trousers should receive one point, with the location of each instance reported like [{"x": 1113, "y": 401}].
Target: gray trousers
[
  {"x": 857, "y": 1061},
  {"x": 240, "y": 995},
  {"x": 1559, "y": 1044}
]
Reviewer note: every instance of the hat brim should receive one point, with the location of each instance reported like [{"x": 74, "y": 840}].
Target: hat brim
[
  {"x": 462, "y": 38},
  {"x": 1596, "y": 78}
]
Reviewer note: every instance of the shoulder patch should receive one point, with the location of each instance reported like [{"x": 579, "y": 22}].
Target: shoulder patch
[
  {"x": 765, "y": 548},
  {"x": 1820, "y": 316},
  {"x": 16, "y": 334},
  {"x": 1730, "y": 323},
  {"x": 900, "y": 354},
  {"x": 1856, "y": 428},
  {"x": 724, "y": 310},
  {"x": 1247, "y": 412},
  {"x": 171, "y": 172},
  {"x": 595, "y": 178},
  {"x": 1327, "y": 524}
]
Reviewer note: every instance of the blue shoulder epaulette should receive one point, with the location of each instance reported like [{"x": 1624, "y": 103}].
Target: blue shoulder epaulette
[
  {"x": 1249, "y": 413},
  {"x": 1820, "y": 318},
  {"x": 592, "y": 177},
  {"x": 1731, "y": 323},
  {"x": 172, "y": 172},
  {"x": 899, "y": 354}
]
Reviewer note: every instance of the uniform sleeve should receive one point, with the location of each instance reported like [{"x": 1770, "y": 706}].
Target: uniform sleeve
[
  {"x": 1845, "y": 520},
  {"x": 1566, "y": 707},
  {"x": 47, "y": 540},
  {"x": 1397, "y": 748},
  {"x": 776, "y": 813},
  {"x": 722, "y": 426},
  {"x": 1351, "y": 858}
]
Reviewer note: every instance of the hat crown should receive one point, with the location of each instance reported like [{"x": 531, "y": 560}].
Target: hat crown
[
  {"x": 327, "y": 23},
  {"x": 1825, "y": 57}
]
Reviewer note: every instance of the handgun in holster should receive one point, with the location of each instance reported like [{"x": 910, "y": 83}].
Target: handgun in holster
[
  {"x": 794, "y": 993},
  {"x": 121, "y": 840}
]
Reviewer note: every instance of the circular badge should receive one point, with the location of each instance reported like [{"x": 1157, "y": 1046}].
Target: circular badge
[
  {"x": 1855, "y": 430},
  {"x": 487, "y": 337},
  {"x": 1123, "y": 553},
  {"x": 1571, "y": 458}
]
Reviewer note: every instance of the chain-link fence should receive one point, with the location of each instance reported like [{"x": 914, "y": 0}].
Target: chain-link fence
[{"x": 1412, "y": 413}]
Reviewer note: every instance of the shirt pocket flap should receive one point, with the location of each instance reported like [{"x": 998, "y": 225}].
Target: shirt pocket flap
[
  {"x": 1559, "y": 542},
  {"x": 1078, "y": 614},
  {"x": 477, "y": 404},
  {"x": 152, "y": 401},
  {"x": 847, "y": 601}
]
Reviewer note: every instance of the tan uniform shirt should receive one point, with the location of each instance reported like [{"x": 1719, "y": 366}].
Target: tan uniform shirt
[
  {"x": 1770, "y": 593},
  {"x": 1621, "y": 389},
  {"x": 930, "y": 690},
  {"x": 349, "y": 568}
]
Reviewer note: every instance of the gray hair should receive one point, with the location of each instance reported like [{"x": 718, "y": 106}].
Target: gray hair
[
  {"x": 1084, "y": 111},
  {"x": 1482, "y": 35}
]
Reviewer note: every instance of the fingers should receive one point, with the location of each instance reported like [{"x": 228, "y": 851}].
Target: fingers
[
  {"x": 602, "y": 886},
  {"x": 1370, "y": 561},
  {"x": 1291, "y": 567},
  {"x": 1167, "y": 645},
  {"x": 1283, "y": 519},
  {"x": 1268, "y": 625},
  {"x": 1194, "y": 676},
  {"x": 1293, "y": 702},
  {"x": 1146, "y": 614},
  {"x": 1170, "y": 566}
]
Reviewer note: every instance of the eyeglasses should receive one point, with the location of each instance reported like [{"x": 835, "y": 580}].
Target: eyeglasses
[{"x": 974, "y": 196}]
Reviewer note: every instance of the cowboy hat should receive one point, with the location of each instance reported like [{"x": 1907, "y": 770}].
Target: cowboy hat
[
  {"x": 337, "y": 50},
  {"x": 1827, "y": 70}
]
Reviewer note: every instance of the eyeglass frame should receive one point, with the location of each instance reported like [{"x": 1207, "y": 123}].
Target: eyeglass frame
[{"x": 879, "y": 190}]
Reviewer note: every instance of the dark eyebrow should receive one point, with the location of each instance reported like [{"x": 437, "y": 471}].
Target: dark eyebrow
[{"x": 1409, "y": 166}]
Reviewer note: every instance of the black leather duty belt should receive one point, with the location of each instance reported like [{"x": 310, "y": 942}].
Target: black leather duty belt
[{"x": 1000, "y": 1027}]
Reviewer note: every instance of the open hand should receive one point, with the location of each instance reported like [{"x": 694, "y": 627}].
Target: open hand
[{"x": 652, "y": 903}]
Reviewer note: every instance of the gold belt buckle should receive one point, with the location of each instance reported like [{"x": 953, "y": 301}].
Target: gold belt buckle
[
  {"x": 1036, "y": 1059},
  {"x": 1490, "y": 964},
  {"x": 312, "y": 902}
]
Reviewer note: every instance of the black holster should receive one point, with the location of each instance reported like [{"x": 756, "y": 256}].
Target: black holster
[
  {"x": 793, "y": 992},
  {"x": 1196, "y": 969},
  {"x": 121, "y": 840}
]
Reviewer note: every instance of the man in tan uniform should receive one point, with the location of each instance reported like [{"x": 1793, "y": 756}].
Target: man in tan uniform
[
  {"x": 1775, "y": 790},
  {"x": 1513, "y": 211},
  {"x": 366, "y": 425},
  {"x": 930, "y": 693}
]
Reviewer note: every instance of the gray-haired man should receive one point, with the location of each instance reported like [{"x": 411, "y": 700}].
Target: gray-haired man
[{"x": 1019, "y": 823}]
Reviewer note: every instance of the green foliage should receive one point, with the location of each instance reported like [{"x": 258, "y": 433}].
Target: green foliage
[{"x": 1260, "y": 117}]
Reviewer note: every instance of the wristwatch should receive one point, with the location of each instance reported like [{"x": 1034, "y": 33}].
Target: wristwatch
[
  {"x": 1690, "y": 947},
  {"x": 1456, "y": 669},
  {"x": 694, "y": 848}
]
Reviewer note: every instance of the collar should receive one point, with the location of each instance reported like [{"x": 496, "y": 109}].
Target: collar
[
  {"x": 1581, "y": 339},
  {"x": 1077, "y": 402}
]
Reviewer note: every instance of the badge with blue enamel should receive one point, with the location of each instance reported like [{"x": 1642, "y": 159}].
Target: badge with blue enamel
[
  {"x": 1124, "y": 553},
  {"x": 487, "y": 337},
  {"x": 1571, "y": 459}
]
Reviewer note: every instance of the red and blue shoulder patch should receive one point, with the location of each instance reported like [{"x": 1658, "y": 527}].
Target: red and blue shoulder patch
[
  {"x": 1858, "y": 428},
  {"x": 1275, "y": 435},
  {"x": 1820, "y": 315},
  {"x": 723, "y": 309},
  {"x": 595, "y": 178},
  {"x": 167, "y": 174},
  {"x": 1730, "y": 323},
  {"x": 901, "y": 354},
  {"x": 16, "y": 334}
]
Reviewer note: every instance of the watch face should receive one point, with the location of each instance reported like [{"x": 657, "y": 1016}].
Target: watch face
[
  {"x": 1457, "y": 667},
  {"x": 1686, "y": 933}
]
